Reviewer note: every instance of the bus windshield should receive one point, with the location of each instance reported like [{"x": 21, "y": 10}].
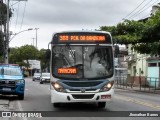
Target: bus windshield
[{"x": 82, "y": 61}]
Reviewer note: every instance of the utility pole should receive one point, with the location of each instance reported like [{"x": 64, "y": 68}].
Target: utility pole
[
  {"x": 1, "y": 15},
  {"x": 33, "y": 41},
  {"x": 7, "y": 35},
  {"x": 7, "y": 32},
  {"x": 36, "y": 36}
]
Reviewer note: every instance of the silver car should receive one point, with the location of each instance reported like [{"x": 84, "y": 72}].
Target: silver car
[
  {"x": 45, "y": 77},
  {"x": 36, "y": 76}
]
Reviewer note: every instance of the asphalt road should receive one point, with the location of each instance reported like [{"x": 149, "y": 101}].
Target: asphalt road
[{"x": 37, "y": 98}]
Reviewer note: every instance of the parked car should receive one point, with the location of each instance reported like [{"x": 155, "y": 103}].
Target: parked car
[
  {"x": 11, "y": 80},
  {"x": 45, "y": 77},
  {"x": 36, "y": 76}
]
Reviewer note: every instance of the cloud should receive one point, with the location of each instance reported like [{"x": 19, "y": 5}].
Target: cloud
[
  {"x": 58, "y": 15},
  {"x": 74, "y": 12}
]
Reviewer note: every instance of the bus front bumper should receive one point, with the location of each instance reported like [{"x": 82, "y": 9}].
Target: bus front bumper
[{"x": 60, "y": 97}]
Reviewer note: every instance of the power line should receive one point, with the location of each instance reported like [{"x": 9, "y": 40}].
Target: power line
[
  {"x": 134, "y": 9},
  {"x": 17, "y": 15},
  {"x": 23, "y": 14},
  {"x": 145, "y": 9},
  {"x": 140, "y": 9}
]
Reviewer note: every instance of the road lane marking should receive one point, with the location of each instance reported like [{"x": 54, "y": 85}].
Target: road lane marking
[
  {"x": 129, "y": 99},
  {"x": 21, "y": 109}
]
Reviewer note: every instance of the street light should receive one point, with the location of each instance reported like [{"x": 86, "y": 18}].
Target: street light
[
  {"x": 19, "y": 33},
  {"x": 9, "y": 40}
]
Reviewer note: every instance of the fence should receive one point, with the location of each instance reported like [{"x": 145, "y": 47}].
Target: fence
[{"x": 147, "y": 84}]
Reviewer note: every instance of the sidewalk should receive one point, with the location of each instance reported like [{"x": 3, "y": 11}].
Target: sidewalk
[{"x": 139, "y": 89}]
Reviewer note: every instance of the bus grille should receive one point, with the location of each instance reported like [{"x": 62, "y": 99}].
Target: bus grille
[
  {"x": 86, "y": 96},
  {"x": 80, "y": 90},
  {"x": 83, "y": 84}
]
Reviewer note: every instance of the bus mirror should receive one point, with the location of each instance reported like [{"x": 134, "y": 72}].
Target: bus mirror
[{"x": 48, "y": 53}]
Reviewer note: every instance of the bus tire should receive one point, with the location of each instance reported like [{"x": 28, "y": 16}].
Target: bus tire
[
  {"x": 101, "y": 104},
  {"x": 56, "y": 105}
]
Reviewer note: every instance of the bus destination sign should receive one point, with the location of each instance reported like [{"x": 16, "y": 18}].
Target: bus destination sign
[
  {"x": 63, "y": 38},
  {"x": 81, "y": 38}
]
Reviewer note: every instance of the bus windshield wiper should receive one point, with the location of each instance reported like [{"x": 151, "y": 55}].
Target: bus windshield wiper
[
  {"x": 71, "y": 52},
  {"x": 93, "y": 54}
]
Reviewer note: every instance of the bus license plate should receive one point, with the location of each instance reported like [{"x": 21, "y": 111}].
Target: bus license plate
[{"x": 6, "y": 89}]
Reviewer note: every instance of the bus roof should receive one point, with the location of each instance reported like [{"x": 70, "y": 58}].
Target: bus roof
[{"x": 82, "y": 31}]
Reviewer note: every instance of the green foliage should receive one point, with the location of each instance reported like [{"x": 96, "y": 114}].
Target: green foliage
[
  {"x": 23, "y": 53},
  {"x": 3, "y": 9},
  {"x": 148, "y": 48},
  {"x": 28, "y": 52},
  {"x": 144, "y": 36},
  {"x": 126, "y": 32},
  {"x": 43, "y": 58},
  {"x": 151, "y": 29}
]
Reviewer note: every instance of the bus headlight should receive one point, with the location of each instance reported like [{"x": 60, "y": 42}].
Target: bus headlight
[
  {"x": 107, "y": 87},
  {"x": 58, "y": 87}
]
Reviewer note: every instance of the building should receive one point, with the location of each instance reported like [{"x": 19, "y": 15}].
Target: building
[
  {"x": 121, "y": 66},
  {"x": 34, "y": 66},
  {"x": 137, "y": 70},
  {"x": 143, "y": 67},
  {"x": 155, "y": 8}
]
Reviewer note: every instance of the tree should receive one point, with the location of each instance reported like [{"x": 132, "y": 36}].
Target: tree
[
  {"x": 127, "y": 32},
  {"x": 43, "y": 56},
  {"x": 3, "y": 9},
  {"x": 144, "y": 36},
  {"x": 26, "y": 52}
]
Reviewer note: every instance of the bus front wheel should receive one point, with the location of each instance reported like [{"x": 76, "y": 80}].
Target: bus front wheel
[{"x": 101, "y": 104}]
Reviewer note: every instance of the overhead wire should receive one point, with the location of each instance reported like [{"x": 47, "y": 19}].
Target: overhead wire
[
  {"x": 23, "y": 15},
  {"x": 10, "y": 9},
  {"x": 140, "y": 9},
  {"x": 134, "y": 9},
  {"x": 145, "y": 9},
  {"x": 17, "y": 15}
]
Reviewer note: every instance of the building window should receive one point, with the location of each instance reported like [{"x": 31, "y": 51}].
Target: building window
[{"x": 152, "y": 64}]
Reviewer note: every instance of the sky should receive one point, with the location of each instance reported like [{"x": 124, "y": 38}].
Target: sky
[{"x": 59, "y": 15}]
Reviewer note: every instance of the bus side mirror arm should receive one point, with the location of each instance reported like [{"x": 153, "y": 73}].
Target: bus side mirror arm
[
  {"x": 49, "y": 44},
  {"x": 48, "y": 52}
]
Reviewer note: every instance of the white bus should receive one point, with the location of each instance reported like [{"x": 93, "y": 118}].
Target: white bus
[{"x": 82, "y": 67}]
